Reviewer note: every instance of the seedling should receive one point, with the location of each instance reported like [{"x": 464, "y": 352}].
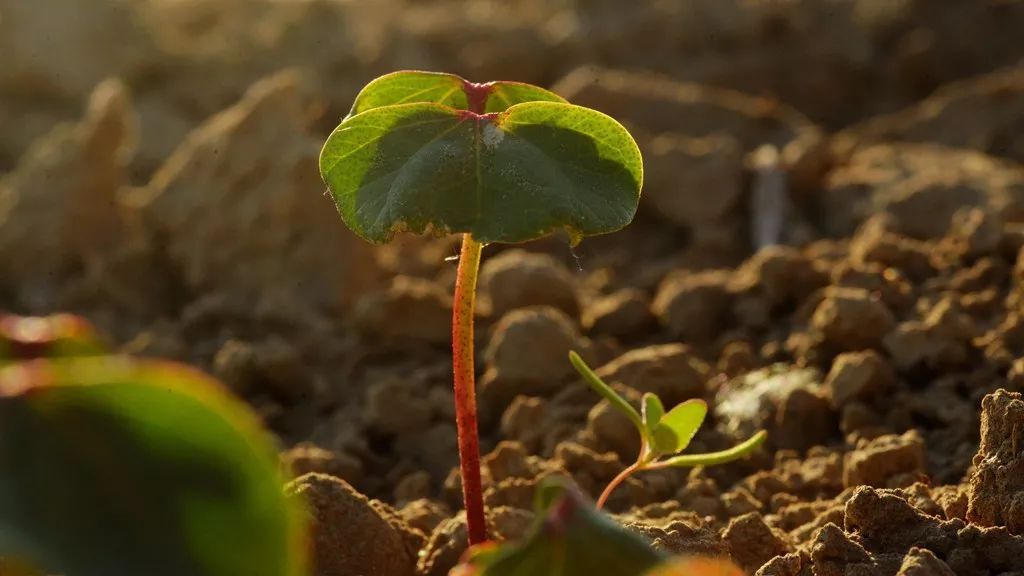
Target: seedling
[
  {"x": 663, "y": 435},
  {"x": 496, "y": 162}
]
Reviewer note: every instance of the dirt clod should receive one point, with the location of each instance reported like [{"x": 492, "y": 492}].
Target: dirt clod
[
  {"x": 751, "y": 542},
  {"x": 410, "y": 308},
  {"x": 507, "y": 460},
  {"x": 271, "y": 366},
  {"x": 923, "y": 562},
  {"x": 613, "y": 431},
  {"x": 671, "y": 371},
  {"x": 858, "y": 376},
  {"x": 251, "y": 168},
  {"x": 680, "y": 538},
  {"x": 395, "y": 407},
  {"x": 694, "y": 306},
  {"x": 782, "y": 273},
  {"x": 680, "y": 170},
  {"x": 59, "y": 209},
  {"x": 307, "y": 458},
  {"x": 834, "y": 553},
  {"x": 622, "y": 314},
  {"x": 345, "y": 520},
  {"x": 788, "y": 565},
  {"x": 541, "y": 334},
  {"x": 997, "y": 485},
  {"x": 445, "y": 547},
  {"x": 887, "y": 461},
  {"x": 524, "y": 421},
  {"x": 851, "y": 319},
  {"x": 516, "y": 279}
]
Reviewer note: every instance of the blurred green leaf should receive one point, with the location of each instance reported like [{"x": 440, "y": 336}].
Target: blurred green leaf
[
  {"x": 677, "y": 428},
  {"x": 569, "y": 539},
  {"x": 519, "y": 175},
  {"x": 606, "y": 391},
  {"x": 412, "y": 86},
  {"x": 56, "y": 336},
  {"x": 115, "y": 467}
]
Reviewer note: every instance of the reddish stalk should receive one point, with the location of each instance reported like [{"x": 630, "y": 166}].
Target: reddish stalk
[
  {"x": 615, "y": 482},
  {"x": 465, "y": 388},
  {"x": 462, "y": 361},
  {"x": 626, "y": 473}
]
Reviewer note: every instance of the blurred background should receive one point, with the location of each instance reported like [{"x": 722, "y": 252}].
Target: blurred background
[{"x": 158, "y": 175}]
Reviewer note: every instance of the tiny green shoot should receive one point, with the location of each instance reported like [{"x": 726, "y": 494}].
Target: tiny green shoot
[{"x": 663, "y": 434}]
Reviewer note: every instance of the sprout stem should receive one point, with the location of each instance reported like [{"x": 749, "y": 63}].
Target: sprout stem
[
  {"x": 465, "y": 388},
  {"x": 626, "y": 473},
  {"x": 641, "y": 462}
]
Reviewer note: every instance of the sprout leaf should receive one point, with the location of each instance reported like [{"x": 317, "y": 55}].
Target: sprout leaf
[
  {"x": 677, "y": 428},
  {"x": 513, "y": 176},
  {"x": 651, "y": 412},
  {"x": 711, "y": 458}
]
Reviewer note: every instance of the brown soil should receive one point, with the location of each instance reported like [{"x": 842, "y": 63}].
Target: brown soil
[{"x": 158, "y": 175}]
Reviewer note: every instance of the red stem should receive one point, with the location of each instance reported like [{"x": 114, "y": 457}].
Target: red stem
[
  {"x": 642, "y": 460},
  {"x": 629, "y": 470},
  {"x": 465, "y": 388}
]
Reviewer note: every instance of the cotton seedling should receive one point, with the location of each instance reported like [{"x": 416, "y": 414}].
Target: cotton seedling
[{"x": 498, "y": 162}]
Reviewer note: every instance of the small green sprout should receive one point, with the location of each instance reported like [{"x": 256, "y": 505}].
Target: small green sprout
[{"x": 663, "y": 434}]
